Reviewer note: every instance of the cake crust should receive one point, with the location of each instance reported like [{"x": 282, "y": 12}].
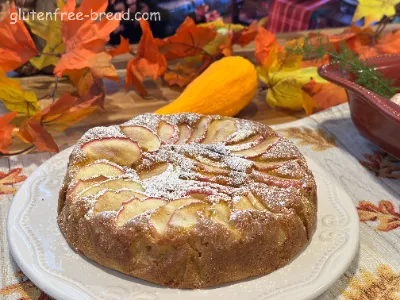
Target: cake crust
[{"x": 249, "y": 200}]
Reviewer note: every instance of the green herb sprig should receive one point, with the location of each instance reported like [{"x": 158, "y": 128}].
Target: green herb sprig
[{"x": 366, "y": 75}]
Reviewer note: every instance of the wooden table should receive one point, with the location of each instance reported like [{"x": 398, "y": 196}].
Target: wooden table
[{"x": 121, "y": 106}]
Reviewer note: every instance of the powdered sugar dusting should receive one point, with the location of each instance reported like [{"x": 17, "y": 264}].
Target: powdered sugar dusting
[
  {"x": 211, "y": 170},
  {"x": 150, "y": 121}
]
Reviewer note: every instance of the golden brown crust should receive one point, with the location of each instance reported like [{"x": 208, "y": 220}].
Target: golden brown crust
[{"x": 256, "y": 242}]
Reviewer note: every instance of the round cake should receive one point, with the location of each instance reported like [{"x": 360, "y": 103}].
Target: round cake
[{"x": 187, "y": 200}]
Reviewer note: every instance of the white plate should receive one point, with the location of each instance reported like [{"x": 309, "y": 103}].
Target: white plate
[{"x": 40, "y": 250}]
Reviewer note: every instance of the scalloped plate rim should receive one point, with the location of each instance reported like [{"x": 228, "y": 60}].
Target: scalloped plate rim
[{"x": 60, "y": 289}]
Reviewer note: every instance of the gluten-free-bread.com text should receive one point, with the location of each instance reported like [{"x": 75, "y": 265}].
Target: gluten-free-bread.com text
[{"x": 80, "y": 16}]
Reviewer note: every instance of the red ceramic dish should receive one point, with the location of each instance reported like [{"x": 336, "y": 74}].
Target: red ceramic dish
[{"x": 376, "y": 118}]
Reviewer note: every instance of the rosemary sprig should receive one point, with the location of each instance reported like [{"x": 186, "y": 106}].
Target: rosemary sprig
[{"x": 366, "y": 75}]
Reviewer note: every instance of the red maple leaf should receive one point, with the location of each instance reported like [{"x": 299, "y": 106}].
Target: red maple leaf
[{"x": 384, "y": 213}]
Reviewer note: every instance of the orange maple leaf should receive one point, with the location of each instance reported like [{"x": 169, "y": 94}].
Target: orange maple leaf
[
  {"x": 390, "y": 43},
  {"x": 185, "y": 72},
  {"x": 33, "y": 132},
  {"x": 121, "y": 49},
  {"x": 336, "y": 40},
  {"x": 315, "y": 62},
  {"x": 264, "y": 41},
  {"x": 7, "y": 180},
  {"x": 325, "y": 95},
  {"x": 180, "y": 76},
  {"x": 242, "y": 38},
  {"x": 362, "y": 37},
  {"x": 59, "y": 115},
  {"x": 189, "y": 40},
  {"x": 365, "y": 51},
  {"x": 16, "y": 44},
  {"x": 148, "y": 62},
  {"x": 6, "y": 130},
  {"x": 245, "y": 36},
  {"x": 87, "y": 84},
  {"x": 384, "y": 213},
  {"x": 84, "y": 38}
]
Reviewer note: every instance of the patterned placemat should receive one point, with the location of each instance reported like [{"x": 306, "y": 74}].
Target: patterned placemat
[{"x": 369, "y": 175}]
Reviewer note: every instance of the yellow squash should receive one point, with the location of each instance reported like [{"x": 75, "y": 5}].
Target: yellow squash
[{"x": 225, "y": 88}]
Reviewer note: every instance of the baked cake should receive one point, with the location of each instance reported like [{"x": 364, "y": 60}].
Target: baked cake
[{"x": 188, "y": 200}]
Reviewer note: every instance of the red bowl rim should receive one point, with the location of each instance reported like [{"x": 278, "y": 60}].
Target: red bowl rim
[{"x": 389, "y": 108}]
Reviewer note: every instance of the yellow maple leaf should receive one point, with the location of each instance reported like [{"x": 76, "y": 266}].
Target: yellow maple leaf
[
  {"x": 282, "y": 74},
  {"x": 222, "y": 27},
  {"x": 14, "y": 98},
  {"x": 49, "y": 30},
  {"x": 374, "y": 10}
]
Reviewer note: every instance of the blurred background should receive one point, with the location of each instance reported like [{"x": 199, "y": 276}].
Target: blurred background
[{"x": 282, "y": 15}]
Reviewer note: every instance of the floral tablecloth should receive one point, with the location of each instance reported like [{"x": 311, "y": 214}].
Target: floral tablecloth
[{"x": 370, "y": 176}]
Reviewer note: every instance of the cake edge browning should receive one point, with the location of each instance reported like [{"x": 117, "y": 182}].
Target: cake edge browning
[
  {"x": 204, "y": 256},
  {"x": 188, "y": 260}
]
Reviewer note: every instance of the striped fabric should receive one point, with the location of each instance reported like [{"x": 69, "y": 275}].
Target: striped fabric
[{"x": 292, "y": 15}]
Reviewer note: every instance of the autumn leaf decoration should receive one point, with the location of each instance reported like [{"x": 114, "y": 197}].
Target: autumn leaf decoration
[
  {"x": 25, "y": 289},
  {"x": 6, "y": 130},
  {"x": 374, "y": 10},
  {"x": 49, "y": 30},
  {"x": 384, "y": 286},
  {"x": 16, "y": 44},
  {"x": 179, "y": 59},
  {"x": 290, "y": 74},
  {"x": 76, "y": 49},
  {"x": 318, "y": 138},
  {"x": 7, "y": 180},
  {"x": 382, "y": 164},
  {"x": 388, "y": 219}
]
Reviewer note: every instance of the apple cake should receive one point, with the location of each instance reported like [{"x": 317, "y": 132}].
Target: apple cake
[{"x": 187, "y": 200}]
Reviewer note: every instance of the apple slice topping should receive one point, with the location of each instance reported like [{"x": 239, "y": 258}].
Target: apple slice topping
[
  {"x": 199, "y": 196},
  {"x": 211, "y": 169},
  {"x": 242, "y": 203},
  {"x": 168, "y": 133},
  {"x": 250, "y": 139},
  {"x": 112, "y": 200},
  {"x": 255, "y": 202},
  {"x": 154, "y": 171},
  {"x": 257, "y": 150},
  {"x": 122, "y": 151},
  {"x": 221, "y": 213},
  {"x": 146, "y": 139},
  {"x": 160, "y": 218},
  {"x": 246, "y": 143},
  {"x": 185, "y": 133},
  {"x": 200, "y": 130},
  {"x": 187, "y": 215},
  {"x": 275, "y": 180},
  {"x": 112, "y": 184},
  {"x": 267, "y": 166},
  {"x": 85, "y": 184},
  {"x": 99, "y": 169},
  {"x": 208, "y": 161},
  {"x": 136, "y": 207},
  {"x": 220, "y": 131}
]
